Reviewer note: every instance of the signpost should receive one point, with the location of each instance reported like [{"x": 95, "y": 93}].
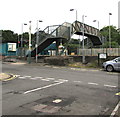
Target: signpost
[{"x": 101, "y": 56}]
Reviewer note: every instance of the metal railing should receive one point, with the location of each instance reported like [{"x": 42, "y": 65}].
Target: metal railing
[{"x": 96, "y": 51}]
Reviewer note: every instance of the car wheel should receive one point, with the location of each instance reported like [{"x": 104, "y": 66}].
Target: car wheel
[{"x": 109, "y": 68}]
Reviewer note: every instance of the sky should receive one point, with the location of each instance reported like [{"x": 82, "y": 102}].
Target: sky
[{"x": 55, "y": 12}]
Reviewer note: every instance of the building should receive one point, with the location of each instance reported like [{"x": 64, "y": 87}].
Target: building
[{"x": 8, "y": 49}]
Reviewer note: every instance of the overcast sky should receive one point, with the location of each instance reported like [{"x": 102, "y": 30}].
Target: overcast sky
[{"x": 54, "y": 12}]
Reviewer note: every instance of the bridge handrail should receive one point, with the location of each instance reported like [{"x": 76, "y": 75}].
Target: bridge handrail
[{"x": 78, "y": 26}]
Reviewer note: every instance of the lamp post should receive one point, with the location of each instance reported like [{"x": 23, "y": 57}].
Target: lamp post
[
  {"x": 109, "y": 31},
  {"x": 75, "y": 11},
  {"x": 37, "y": 37},
  {"x": 22, "y": 39},
  {"x": 83, "y": 56},
  {"x": 29, "y": 53},
  {"x": 97, "y": 22}
]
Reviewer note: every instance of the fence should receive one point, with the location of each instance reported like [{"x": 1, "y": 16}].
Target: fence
[{"x": 94, "y": 51}]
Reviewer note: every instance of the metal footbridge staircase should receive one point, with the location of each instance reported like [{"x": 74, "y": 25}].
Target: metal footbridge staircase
[{"x": 64, "y": 32}]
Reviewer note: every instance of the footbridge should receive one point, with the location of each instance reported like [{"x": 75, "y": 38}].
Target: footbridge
[{"x": 64, "y": 32}]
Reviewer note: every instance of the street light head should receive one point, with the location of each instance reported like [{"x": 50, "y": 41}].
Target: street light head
[
  {"x": 94, "y": 20},
  {"x": 25, "y": 24},
  {"x": 110, "y": 13},
  {"x": 84, "y": 16},
  {"x": 72, "y": 9},
  {"x": 40, "y": 21}
]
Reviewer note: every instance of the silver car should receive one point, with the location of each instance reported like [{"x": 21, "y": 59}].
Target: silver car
[{"x": 112, "y": 65}]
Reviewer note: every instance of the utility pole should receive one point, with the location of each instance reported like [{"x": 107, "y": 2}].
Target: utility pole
[
  {"x": 83, "y": 56},
  {"x": 22, "y": 38},
  {"x": 29, "y": 54},
  {"x": 37, "y": 37}
]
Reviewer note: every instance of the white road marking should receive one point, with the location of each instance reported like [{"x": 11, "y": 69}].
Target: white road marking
[
  {"x": 22, "y": 77},
  {"x": 56, "y": 81},
  {"x": 110, "y": 86},
  {"x": 45, "y": 79},
  {"x": 50, "y": 78},
  {"x": 33, "y": 78},
  {"x": 115, "y": 110},
  {"x": 62, "y": 80},
  {"x": 29, "y": 91},
  {"x": 27, "y": 76},
  {"x": 38, "y": 77},
  {"x": 92, "y": 83},
  {"x": 112, "y": 73},
  {"x": 78, "y": 81},
  {"x": 17, "y": 75}
]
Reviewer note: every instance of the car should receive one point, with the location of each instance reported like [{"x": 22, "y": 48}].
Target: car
[{"x": 112, "y": 65}]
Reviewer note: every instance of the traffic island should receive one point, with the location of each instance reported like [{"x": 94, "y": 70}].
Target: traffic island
[{"x": 6, "y": 77}]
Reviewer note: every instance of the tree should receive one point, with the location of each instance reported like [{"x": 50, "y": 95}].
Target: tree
[
  {"x": 9, "y": 36},
  {"x": 115, "y": 36},
  {"x": 72, "y": 46}
]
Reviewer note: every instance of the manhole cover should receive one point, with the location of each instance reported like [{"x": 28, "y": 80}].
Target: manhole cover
[{"x": 46, "y": 108}]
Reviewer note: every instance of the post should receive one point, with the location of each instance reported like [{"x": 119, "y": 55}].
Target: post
[
  {"x": 37, "y": 37},
  {"x": 29, "y": 54},
  {"x": 18, "y": 46},
  {"x": 76, "y": 15},
  {"x": 37, "y": 42},
  {"x": 22, "y": 39},
  {"x": 75, "y": 11},
  {"x": 109, "y": 32},
  {"x": 83, "y": 56},
  {"x": 79, "y": 46}
]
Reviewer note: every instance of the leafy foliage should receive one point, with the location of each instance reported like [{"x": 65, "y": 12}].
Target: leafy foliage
[
  {"x": 9, "y": 36},
  {"x": 115, "y": 36}
]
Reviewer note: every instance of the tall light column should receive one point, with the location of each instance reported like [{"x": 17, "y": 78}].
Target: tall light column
[
  {"x": 97, "y": 22},
  {"x": 37, "y": 37},
  {"x": 109, "y": 31},
  {"x": 22, "y": 39},
  {"x": 83, "y": 56},
  {"x": 29, "y": 54},
  {"x": 75, "y": 11},
  {"x": 119, "y": 24}
]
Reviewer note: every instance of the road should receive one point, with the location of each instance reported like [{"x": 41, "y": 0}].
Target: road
[{"x": 46, "y": 90}]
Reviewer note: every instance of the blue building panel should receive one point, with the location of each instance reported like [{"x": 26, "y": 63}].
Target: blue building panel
[{"x": 4, "y": 50}]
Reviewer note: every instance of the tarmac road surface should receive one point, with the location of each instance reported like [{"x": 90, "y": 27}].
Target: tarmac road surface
[{"x": 46, "y": 90}]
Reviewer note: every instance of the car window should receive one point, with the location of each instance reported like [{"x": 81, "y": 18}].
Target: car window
[{"x": 118, "y": 59}]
